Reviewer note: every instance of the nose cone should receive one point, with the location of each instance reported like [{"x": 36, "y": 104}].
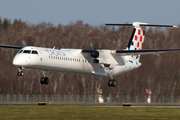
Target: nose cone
[{"x": 16, "y": 61}]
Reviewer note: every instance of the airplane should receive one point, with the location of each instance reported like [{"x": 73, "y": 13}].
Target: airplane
[{"x": 97, "y": 62}]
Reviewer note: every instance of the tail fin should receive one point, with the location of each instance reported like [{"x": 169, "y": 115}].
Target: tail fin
[
  {"x": 137, "y": 37},
  {"x": 136, "y": 40}
]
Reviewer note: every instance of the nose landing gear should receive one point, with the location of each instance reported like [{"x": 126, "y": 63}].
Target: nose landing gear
[
  {"x": 44, "y": 80},
  {"x": 20, "y": 72}
]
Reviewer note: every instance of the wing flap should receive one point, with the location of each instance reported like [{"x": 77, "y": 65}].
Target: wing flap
[{"x": 99, "y": 73}]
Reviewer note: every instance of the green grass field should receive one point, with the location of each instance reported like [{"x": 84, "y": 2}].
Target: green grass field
[{"x": 86, "y": 113}]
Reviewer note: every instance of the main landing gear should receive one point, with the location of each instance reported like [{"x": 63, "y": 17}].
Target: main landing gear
[
  {"x": 112, "y": 82},
  {"x": 44, "y": 80},
  {"x": 20, "y": 72}
]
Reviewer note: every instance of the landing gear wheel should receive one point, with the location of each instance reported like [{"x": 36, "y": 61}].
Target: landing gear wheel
[
  {"x": 18, "y": 73},
  {"x": 110, "y": 83},
  {"x": 114, "y": 83},
  {"x": 42, "y": 80},
  {"x": 46, "y": 80},
  {"x": 21, "y": 73}
]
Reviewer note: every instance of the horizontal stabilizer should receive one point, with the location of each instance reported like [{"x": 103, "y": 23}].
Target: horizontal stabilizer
[
  {"x": 141, "y": 52},
  {"x": 9, "y": 46},
  {"x": 135, "y": 24}
]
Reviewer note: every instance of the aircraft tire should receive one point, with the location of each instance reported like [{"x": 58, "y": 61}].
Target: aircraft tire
[
  {"x": 18, "y": 73},
  {"x": 114, "y": 83},
  {"x": 110, "y": 83},
  {"x": 42, "y": 80},
  {"x": 46, "y": 80},
  {"x": 21, "y": 73}
]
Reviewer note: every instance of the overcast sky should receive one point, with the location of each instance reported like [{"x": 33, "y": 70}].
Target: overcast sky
[{"x": 93, "y": 12}]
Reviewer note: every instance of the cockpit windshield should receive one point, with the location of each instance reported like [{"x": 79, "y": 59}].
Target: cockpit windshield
[
  {"x": 27, "y": 51},
  {"x": 20, "y": 51},
  {"x": 34, "y": 52}
]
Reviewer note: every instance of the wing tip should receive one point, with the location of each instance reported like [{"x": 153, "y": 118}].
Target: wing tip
[{"x": 175, "y": 26}]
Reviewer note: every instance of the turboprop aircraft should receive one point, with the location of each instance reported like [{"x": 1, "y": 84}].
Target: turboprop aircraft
[{"x": 98, "y": 62}]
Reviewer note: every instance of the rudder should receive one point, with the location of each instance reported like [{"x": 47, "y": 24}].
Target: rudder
[{"x": 136, "y": 40}]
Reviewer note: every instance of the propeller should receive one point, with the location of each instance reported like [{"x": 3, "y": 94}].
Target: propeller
[
  {"x": 26, "y": 40},
  {"x": 92, "y": 45}
]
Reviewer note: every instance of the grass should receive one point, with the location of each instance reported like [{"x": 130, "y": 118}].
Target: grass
[{"x": 86, "y": 113}]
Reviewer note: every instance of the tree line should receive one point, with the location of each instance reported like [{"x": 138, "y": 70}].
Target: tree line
[{"x": 159, "y": 73}]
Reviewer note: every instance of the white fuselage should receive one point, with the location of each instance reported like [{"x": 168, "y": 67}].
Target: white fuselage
[{"x": 73, "y": 61}]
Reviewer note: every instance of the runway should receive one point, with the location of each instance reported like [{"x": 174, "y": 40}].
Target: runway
[{"x": 96, "y": 105}]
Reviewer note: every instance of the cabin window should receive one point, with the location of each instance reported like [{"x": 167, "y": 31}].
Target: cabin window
[{"x": 27, "y": 51}]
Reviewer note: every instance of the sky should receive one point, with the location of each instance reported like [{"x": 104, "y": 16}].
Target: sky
[{"x": 93, "y": 12}]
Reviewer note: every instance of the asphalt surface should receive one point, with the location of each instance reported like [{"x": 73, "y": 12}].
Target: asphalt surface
[{"x": 97, "y": 105}]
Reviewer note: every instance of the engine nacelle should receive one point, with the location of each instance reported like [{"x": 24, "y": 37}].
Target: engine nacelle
[{"x": 94, "y": 54}]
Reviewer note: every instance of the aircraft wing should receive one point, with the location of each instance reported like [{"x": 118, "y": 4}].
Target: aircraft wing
[
  {"x": 141, "y": 52},
  {"x": 10, "y": 46}
]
